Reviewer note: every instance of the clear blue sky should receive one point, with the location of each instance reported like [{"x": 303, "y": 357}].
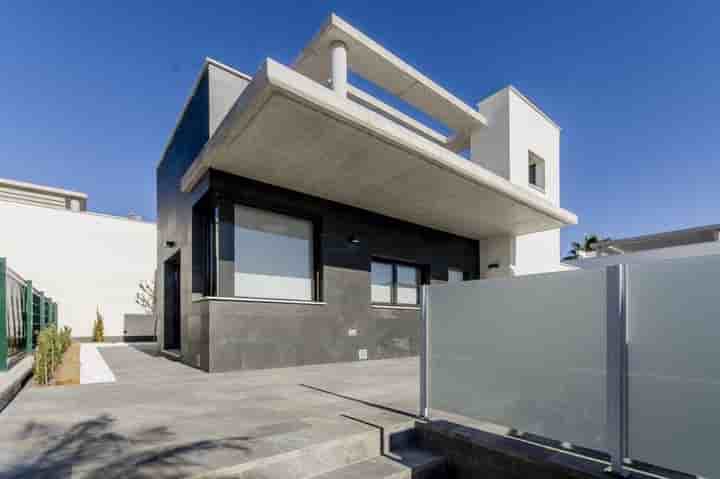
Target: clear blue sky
[{"x": 91, "y": 90}]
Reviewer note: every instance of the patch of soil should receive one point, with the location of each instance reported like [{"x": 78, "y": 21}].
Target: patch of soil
[{"x": 69, "y": 371}]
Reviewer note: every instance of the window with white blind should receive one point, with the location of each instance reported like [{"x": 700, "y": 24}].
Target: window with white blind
[{"x": 273, "y": 255}]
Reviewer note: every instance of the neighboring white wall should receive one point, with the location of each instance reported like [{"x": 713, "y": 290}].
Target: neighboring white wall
[
  {"x": 685, "y": 251},
  {"x": 515, "y": 128},
  {"x": 82, "y": 260}
]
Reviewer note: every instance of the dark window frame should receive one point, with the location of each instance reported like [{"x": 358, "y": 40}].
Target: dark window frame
[
  {"x": 394, "y": 283},
  {"x": 532, "y": 174},
  {"x": 536, "y": 172}
]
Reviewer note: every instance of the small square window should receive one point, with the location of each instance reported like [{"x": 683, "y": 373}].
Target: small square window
[
  {"x": 536, "y": 171},
  {"x": 455, "y": 275},
  {"x": 394, "y": 283}
]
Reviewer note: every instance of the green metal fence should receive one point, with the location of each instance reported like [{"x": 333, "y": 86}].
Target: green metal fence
[{"x": 24, "y": 310}]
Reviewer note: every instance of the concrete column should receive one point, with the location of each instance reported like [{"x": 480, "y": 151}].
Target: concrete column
[
  {"x": 338, "y": 67},
  {"x": 497, "y": 257}
]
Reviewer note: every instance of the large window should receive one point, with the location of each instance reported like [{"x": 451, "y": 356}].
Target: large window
[
  {"x": 394, "y": 283},
  {"x": 273, "y": 255}
]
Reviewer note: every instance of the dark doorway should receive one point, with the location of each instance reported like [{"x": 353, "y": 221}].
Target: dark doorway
[{"x": 172, "y": 304}]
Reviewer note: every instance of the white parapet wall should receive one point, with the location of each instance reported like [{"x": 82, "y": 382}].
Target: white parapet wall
[{"x": 82, "y": 260}]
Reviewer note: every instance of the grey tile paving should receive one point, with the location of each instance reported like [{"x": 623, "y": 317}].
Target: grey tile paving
[{"x": 164, "y": 419}]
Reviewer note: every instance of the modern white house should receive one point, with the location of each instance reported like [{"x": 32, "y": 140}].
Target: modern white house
[
  {"x": 85, "y": 260},
  {"x": 298, "y": 215}
]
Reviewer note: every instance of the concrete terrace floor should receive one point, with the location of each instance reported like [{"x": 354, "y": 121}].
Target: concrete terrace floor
[{"x": 164, "y": 419}]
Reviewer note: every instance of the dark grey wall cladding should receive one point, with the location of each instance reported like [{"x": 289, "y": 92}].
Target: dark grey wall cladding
[
  {"x": 216, "y": 91},
  {"x": 138, "y": 325},
  {"x": 253, "y": 335}
]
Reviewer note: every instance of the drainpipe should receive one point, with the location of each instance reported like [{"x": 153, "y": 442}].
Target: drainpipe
[{"x": 338, "y": 57}]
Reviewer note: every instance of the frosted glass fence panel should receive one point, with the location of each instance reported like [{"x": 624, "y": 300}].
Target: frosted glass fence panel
[
  {"x": 526, "y": 353},
  {"x": 674, "y": 364}
]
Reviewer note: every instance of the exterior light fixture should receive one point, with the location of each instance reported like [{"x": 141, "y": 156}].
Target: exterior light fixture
[
  {"x": 169, "y": 244},
  {"x": 353, "y": 239}
]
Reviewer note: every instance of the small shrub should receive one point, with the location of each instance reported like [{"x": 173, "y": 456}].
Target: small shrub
[
  {"x": 99, "y": 328},
  {"x": 65, "y": 337},
  {"x": 51, "y": 345}
]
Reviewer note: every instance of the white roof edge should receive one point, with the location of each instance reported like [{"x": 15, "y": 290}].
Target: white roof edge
[
  {"x": 227, "y": 68},
  {"x": 528, "y": 101},
  {"x": 207, "y": 61},
  {"x": 87, "y": 213},
  {"x": 141, "y": 221},
  {"x": 275, "y": 75},
  {"x": 44, "y": 189}
]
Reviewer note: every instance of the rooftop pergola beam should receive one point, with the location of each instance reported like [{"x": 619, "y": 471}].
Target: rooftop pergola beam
[{"x": 373, "y": 62}]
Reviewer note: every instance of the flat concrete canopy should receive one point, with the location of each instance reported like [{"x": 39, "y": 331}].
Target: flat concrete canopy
[{"x": 290, "y": 131}]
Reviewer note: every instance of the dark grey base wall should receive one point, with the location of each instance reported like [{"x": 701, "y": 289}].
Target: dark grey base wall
[
  {"x": 245, "y": 335},
  {"x": 475, "y": 453}
]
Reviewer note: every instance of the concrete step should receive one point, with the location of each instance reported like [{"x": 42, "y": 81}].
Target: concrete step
[
  {"x": 363, "y": 440},
  {"x": 308, "y": 461},
  {"x": 406, "y": 464},
  {"x": 422, "y": 463},
  {"x": 376, "y": 468}
]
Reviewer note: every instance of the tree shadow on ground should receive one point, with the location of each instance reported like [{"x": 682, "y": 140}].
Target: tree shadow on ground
[{"x": 93, "y": 449}]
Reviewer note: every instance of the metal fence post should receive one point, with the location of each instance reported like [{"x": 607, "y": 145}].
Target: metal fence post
[
  {"x": 42, "y": 310},
  {"x": 425, "y": 354},
  {"x": 50, "y": 306},
  {"x": 3, "y": 315},
  {"x": 29, "y": 332},
  {"x": 617, "y": 368}
]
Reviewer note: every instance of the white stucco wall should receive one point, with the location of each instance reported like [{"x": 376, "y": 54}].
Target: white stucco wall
[
  {"x": 82, "y": 260},
  {"x": 537, "y": 252},
  {"x": 515, "y": 128},
  {"x": 531, "y": 130},
  {"x": 490, "y": 146}
]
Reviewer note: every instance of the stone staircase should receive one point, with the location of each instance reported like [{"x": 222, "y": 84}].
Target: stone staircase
[{"x": 381, "y": 445}]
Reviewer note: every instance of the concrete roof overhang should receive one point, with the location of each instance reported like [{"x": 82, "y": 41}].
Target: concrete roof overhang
[{"x": 290, "y": 131}]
